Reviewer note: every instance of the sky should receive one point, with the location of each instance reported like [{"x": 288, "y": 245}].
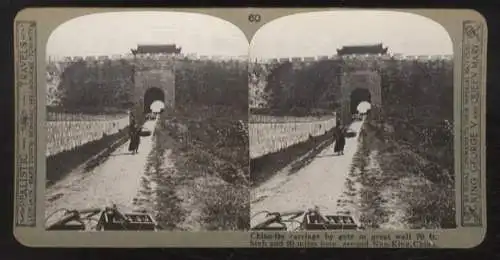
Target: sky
[
  {"x": 118, "y": 32},
  {"x": 321, "y": 33},
  {"x": 303, "y": 35}
]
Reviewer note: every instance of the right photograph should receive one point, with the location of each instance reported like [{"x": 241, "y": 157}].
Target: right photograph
[{"x": 351, "y": 122}]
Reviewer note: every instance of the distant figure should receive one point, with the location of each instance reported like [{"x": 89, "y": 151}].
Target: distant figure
[
  {"x": 135, "y": 139},
  {"x": 131, "y": 118},
  {"x": 339, "y": 142}
]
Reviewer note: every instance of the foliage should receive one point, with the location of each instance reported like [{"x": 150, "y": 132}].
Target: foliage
[
  {"x": 85, "y": 85},
  {"x": 226, "y": 208},
  {"x": 167, "y": 204},
  {"x": 213, "y": 148},
  {"x": 209, "y": 127},
  {"x": 218, "y": 130},
  {"x": 298, "y": 90},
  {"x": 426, "y": 201},
  {"x": 418, "y": 106},
  {"x": 212, "y": 83}
]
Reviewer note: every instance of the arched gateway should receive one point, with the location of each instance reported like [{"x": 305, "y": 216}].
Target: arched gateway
[
  {"x": 360, "y": 81},
  {"x": 154, "y": 77}
]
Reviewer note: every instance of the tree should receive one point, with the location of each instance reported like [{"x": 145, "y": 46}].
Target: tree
[
  {"x": 88, "y": 86},
  {"x": 302, "y": 89},
  {"x": 208, "y": 83},
  {"x": 418, "y": 103}
]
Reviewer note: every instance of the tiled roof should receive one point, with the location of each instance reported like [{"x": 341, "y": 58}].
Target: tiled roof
[
  {"x": 168, "y": 48},
  {"x": 362, "y": 49}
]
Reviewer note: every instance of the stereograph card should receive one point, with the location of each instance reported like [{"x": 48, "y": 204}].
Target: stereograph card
[{"x": 250, "y": 127}]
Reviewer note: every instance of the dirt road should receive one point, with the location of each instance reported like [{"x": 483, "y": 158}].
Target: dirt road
[
  {"x": 116, "y": 181},
  {"x": 320, "y": 183}
]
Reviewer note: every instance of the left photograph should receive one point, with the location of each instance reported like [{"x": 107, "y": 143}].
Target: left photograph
[{"x": 147, "y": 123}]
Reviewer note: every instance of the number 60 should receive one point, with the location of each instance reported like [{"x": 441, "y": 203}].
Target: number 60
[{"x": 254, "y": 18}]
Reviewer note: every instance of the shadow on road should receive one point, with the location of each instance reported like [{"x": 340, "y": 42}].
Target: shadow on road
[
  {"x": 265, "y": 167},
  {"x": 61, "y": 164},
  {"x": 120, "y": 154},
  {"x": 309, "y": 157},
  {"x": 104, "y": 155},
  {"x": 314, "y": 153},
  {"x": 328, "y": 155}
]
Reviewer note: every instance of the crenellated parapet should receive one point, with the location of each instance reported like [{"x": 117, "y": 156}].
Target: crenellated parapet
[
  {"x": 160, "y": 56},
  {"x": 143, "y": 62},
  {"x": 357, "y": 58},
  {"x": 244, "y": 58}
]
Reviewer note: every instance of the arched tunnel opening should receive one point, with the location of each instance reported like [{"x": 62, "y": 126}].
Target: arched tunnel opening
[
  {"x": 359, "y": 96},
  {"x": 154, "y": 100}
]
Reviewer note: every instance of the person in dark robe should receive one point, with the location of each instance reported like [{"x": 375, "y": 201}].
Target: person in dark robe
[
  {"x": 134, "y": 139},
  {"x": 138, "y": 138},
  {"x": 131, "y": 119},
  {"x": 339, "y": 142}
]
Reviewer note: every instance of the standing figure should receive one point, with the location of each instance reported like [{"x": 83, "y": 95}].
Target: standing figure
[
  {"x": 138, "y": 130},
  {"x": 337, "y": 119},
  {"x": 339, "y": 142},
  {"x": 134, "y": 139},
  {"x": 131, "y": 119}
]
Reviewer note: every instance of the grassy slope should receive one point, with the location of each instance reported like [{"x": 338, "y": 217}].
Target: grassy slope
[
  {"x": 206, "y": 187},
  {"x": 389, "y": 186}
]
